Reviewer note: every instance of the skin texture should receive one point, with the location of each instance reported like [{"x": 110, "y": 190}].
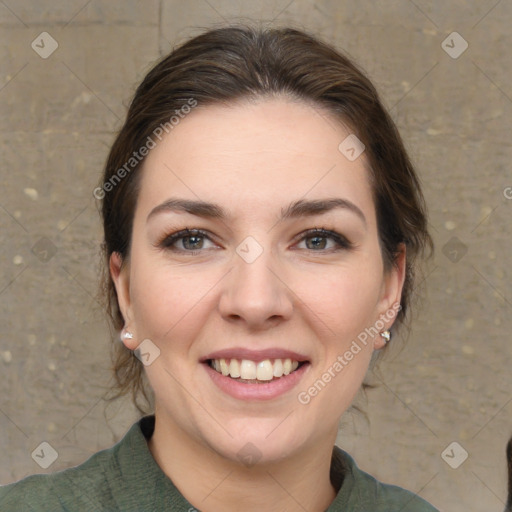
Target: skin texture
[{"x": 253, "y": 159}]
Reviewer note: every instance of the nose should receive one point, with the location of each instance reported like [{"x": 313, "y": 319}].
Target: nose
[{"x": 255, "y": 293}]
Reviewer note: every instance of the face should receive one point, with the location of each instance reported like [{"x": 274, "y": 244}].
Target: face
[{"x": 273, "y": 284}]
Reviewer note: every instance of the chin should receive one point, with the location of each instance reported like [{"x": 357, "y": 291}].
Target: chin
[{"x": 254, "y": 441}]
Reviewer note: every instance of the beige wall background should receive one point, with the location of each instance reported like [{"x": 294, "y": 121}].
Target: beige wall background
[{"x": 452, "y": 381}]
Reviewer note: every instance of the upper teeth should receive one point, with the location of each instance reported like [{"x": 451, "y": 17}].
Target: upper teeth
[{"x": 262, "y": 370}]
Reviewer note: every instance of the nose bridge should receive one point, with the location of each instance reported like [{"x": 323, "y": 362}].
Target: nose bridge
[{"x": 254, "y": 291}]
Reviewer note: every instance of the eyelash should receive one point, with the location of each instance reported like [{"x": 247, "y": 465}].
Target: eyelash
[{"x": 342, "y": 242}]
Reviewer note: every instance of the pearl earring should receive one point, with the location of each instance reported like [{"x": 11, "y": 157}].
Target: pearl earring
[
  {"x": 386, "y": 335},
  {"x": 125, "y": 335}
]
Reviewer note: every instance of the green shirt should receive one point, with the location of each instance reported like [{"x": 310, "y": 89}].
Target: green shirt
[{"x": 126, "y": 478}]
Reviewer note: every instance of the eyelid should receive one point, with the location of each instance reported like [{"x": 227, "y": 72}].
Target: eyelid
[
  {"x": 165, "y": 242},
  {"x": 342, "y": 241}
]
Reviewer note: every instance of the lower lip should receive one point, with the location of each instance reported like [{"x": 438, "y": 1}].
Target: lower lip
[{"x": 263, "y": 391}]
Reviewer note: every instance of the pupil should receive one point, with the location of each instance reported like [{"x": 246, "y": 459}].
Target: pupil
[
  {"x": 194, "y": 244},
  {"x": 317, "y": 238}
]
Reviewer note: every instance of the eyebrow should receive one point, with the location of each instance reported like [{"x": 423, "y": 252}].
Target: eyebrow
[{"x": 300, "y": 208}]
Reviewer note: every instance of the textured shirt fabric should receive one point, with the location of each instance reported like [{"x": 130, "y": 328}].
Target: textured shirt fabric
[{"x": 127, "y": 478}]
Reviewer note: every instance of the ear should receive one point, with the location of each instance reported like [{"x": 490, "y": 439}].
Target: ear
[
  {"x": 391, "y": 293},
  {"x": 120, "y": 273}
]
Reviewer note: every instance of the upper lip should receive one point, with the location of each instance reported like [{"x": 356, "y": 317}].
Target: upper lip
[{"x": 255, "y": 355}]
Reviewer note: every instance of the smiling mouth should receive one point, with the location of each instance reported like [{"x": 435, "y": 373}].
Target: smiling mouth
[{"x": 251, "y": 372}]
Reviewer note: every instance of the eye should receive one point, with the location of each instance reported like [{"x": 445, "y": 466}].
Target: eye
[
  {"x": 191, "y": 241},
  {"x": 318, "y": 239}
]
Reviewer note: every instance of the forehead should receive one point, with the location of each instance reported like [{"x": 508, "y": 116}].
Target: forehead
[{"x": 254, "y": 155}]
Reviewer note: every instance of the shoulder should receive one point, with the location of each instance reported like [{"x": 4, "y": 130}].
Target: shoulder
[
  {"x": 84, "y": 487},
  {"x": 87, "y": 486},
  {"x": 361, "y": 491}
]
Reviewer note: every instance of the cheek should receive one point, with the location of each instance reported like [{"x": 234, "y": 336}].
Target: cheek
[
  {"x": 342, "y": 305},
  {"x": 169, "y": 301},
  {"x": 343, "y": 300}
]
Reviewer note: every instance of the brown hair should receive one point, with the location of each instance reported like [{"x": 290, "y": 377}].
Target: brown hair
[{"x": 236, "y": 62}]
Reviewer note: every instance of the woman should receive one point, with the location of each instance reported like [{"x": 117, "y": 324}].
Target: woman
[{"x": 262, "y": 221}]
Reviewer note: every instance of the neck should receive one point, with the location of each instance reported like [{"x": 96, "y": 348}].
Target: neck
[{"x": 210, "y": 482}]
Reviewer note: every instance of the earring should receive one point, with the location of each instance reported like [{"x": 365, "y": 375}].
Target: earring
[
  {"x": 386, "y": 335},
  {"x": 125, "y": 335}
]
